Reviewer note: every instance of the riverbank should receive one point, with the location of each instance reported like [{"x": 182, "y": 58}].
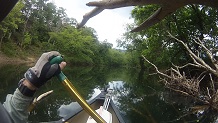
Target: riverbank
[{"x": 4, "y": 59}]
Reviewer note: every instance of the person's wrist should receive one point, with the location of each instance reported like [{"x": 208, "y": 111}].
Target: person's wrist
[
  {"x": 29, "y": 85},
  {"x": 25, "y": 88}
]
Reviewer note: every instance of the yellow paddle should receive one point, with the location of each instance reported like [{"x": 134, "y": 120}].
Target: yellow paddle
[{"x": 69, "y": 86}]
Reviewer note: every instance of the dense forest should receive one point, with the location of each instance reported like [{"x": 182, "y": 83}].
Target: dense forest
[{"x": 37, "y": 26}]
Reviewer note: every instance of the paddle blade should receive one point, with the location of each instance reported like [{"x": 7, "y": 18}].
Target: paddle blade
[{"x": 107, "y": 116}]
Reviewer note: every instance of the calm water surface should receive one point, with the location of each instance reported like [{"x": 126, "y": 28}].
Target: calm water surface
[{"x": 139, "y": 97}]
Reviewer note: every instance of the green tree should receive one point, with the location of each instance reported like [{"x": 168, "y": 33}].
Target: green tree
[
  {"x": 186, "y": 24},
  {"x": 10, "y": 24},
  {"x": 77, "y": 44}
]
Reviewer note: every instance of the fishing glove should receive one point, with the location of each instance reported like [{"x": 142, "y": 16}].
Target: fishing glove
[{"x": 43, "y": 70}]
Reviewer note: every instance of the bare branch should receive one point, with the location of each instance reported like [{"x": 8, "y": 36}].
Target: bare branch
[
  {"x": 167, "y": 7},
  {"x": 177, "y": 72},
  {"x": 198, "y": 64},
  {"x": 165, "y": 75},
  {"x": 89, "y": 15},
  {"x": 196, "y": 59},
  {"x": 208, "y": 52},
  {"x": 208, "y": 93},
  {"x": 182, "y": 92},
  {"x": 212, "y": 83},
  {"x": 189, "y": 64},
  {"x": 112, "y": 4}
]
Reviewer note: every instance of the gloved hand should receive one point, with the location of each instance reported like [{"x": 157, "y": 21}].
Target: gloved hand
[{"x": 43, "y": 70}]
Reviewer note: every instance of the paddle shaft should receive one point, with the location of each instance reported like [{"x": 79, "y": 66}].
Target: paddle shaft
[{"x": 69, "y": 86}]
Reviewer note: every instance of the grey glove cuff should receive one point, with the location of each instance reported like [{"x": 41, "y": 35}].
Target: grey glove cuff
[{"x": 31, "y": 77}]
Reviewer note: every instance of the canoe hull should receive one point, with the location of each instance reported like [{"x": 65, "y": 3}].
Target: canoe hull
[{"x": 80, "y": 115}]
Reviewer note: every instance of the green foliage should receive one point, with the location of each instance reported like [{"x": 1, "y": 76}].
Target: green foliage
[
  {"x": 132, "y": 59},
  {"x": 116, "y": 58},
  {"x": 10, "y": 49},
  {"x": 37, "y": 26},
  {"x": 26, "y": 41},
  {"x": 10, "y": 24},
  {"x": 187, "y": 24},
  {"x": 13, "y": 19},
  {"x": 71, "y": 42}
]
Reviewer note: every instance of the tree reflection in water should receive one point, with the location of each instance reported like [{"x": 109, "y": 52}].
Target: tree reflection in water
[
  {"x": 139, "y": 96},
  {"x": 65, "y": 110},
  {"x": 144, "y": 100}
]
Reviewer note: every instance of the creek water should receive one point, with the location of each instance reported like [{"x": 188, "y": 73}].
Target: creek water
[{"x": 140, "y": 97}]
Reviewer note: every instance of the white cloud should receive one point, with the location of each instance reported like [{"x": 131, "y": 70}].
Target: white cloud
[{"x": 109, "y": 24}]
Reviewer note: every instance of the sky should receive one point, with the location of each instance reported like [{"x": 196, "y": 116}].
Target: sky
[{"x": 109, "y": 24}]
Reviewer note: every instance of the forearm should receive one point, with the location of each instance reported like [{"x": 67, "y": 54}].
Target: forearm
[
  {"x": 36, "y": 76},
  {"x": 17, "y": 105}
]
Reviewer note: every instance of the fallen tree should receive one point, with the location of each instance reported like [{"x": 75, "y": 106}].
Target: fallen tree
[{"x": 177, "y": 80}]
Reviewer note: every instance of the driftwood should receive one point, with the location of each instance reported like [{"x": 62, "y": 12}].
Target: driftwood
[
  {"x": 166, "y": 7},
  {"x": 177, "y": 81}
]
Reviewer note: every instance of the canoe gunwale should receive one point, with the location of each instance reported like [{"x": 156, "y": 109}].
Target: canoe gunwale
[{"x": 101, "y": 96}]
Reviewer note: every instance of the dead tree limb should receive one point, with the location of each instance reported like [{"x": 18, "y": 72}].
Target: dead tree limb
[
  {"x": 177, "y": 81},
  {"x": 166, "y": 8},
  {"x": 197, "y": 60},
  {"x": 165, "y": 75}
]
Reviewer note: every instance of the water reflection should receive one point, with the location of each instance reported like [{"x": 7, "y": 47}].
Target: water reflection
[
  {"x": 65, "y": 110},
  {"x": 116, "y": 85},
  {"x": 140, "y": 97},
  {"x": 88, "y": 82}
]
